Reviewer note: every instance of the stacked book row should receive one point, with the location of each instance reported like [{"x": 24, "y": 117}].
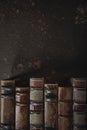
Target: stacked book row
[{"x": 43, "y": 106}]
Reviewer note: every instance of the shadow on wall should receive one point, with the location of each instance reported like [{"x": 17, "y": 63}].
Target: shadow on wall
[
  {"x": 63, "y": 42},
  {"x": 53, "y": 70}
]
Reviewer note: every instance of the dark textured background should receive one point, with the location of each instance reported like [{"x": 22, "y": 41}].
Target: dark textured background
[{"x": 43, "y": 38}]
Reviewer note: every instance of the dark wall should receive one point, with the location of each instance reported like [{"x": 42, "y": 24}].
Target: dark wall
[{"x": 43, "y": 38}]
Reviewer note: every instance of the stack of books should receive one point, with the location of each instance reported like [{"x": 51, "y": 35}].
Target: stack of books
[{"x": 43, "y": 106}]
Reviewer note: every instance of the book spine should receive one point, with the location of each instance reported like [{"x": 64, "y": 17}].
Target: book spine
[
  {"x": 65, "y": 105},
  {"x": 79, "y": 103},
  {"x": 50, "y": 106},
  {"x": 22, "y": 108},
  {"x": 36, "y": 115},
  {"x": 7, "y": 104}
]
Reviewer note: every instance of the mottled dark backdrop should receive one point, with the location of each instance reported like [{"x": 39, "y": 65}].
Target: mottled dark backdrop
[{"x": 43, "y": 38}]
